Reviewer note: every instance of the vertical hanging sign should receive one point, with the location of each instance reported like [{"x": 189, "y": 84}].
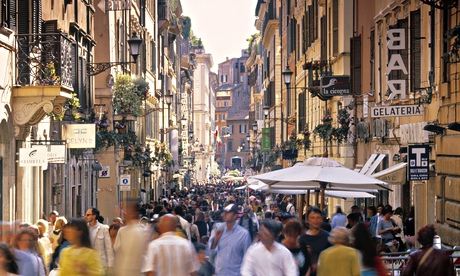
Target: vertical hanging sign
[
  {"x": 419, "y": 162},
  {"x": 266, "y": 139}
]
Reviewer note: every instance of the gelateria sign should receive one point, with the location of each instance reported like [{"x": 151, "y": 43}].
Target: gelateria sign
[
  {"x": 396, "y": 41},
  {"x": 396, "y": 111}
]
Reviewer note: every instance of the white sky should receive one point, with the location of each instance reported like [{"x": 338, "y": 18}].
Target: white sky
[{"x": 222, "y": 25}]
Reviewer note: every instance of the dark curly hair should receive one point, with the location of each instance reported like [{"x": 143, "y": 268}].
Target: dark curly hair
[
  {"x": 362, "y": 241},
  {"x": 11, "y": 266},
  {"x": 425, "y": 235}
]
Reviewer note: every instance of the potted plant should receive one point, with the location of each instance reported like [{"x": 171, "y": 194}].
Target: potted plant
[
  {"x": 128, "y": 95},
  {"x": 340, "y": 133}
]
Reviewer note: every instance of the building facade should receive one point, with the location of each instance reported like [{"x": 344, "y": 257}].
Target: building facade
[{"x": 232, "y": 113}]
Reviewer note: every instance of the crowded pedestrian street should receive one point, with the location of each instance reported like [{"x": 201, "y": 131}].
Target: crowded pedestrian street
[{"x": 230, "y": 137}]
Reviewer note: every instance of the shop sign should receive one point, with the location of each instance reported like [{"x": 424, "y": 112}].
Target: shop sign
[
  {"x": 266, "y": 145},
  {"x": 396, "y": 40},
  {"x": 396, "y": 111},
  {"x": 125, "y": 183},
  {"x": 335, "y": 86},
  {"x": 104, "y": 172},
  {"x": 33, "y": 157},
  {"x": 56, "y": 154},
  {"x": 79, "y": 136},
  {"x": 117, "y": 5},
  {"x": 418, "y": 158}
]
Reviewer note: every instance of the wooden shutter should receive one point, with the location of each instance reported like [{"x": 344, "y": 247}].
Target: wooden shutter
[
  {"x": 323, "y": 38},
  {"x": 311, "y": 28},
  {"x": 335, "y": 27},
  {"x": 356, "y": 65},
  {"x": 11, "y": 12},
  {"x": 416, "y": 51},
  {"x": 315, "y": 19},
  {"x": 23, "y": 16},
  {"x": 302, "y": 111}
]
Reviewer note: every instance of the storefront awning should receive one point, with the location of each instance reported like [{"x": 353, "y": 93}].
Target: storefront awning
[
  {"x": 394, "y": 175},
  {"x": 372, "y": 163}
]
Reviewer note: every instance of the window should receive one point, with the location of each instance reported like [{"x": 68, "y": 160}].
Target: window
[
  {"x": 153, "y": 55},
  {"x": 356, "y": 65},
  {"x": 416, "y": 51},
  {"x": 335, "y": 27},
  {"x": 302, "y": 111},
  {"x": 230, "y": 145},
  {"x": 372, "y": 61},
  {"x": 323, "y": 53},
  {"x": 7, "y": 13}
]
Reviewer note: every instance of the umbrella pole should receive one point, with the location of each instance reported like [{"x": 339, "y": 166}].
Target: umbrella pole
[
  {"x": 323, "y": 198},
  {"x": 307, "y": 200},
  {"x": 317, "y": 198}
]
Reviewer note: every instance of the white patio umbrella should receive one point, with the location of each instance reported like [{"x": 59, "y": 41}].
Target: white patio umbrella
[{"x": 319, "y": 173}]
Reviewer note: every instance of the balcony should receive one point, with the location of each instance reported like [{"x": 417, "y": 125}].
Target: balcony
[
  {"x": 44, "y": 59},
  {"x": 43, "y": 76},
  {"x": 163, "y": 14}
]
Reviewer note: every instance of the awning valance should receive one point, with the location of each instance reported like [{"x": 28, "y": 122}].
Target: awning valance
[{"x": 394, "y": 175}]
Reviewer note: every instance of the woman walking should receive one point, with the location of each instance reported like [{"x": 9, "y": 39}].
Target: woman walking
[{"x": 79, "y": 258}]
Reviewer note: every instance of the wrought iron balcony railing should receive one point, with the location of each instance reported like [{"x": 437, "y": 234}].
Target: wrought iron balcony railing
[{"x": 44, "y": 60}]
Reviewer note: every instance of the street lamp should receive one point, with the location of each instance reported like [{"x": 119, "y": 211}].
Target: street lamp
[
  {"x": 266, "y": 111},
  {"x": 287, "y": 76},
  {"x": 255, "y": 127},
  {"x": 134, "y": 43},
  {"x": 168, "y": 100}
]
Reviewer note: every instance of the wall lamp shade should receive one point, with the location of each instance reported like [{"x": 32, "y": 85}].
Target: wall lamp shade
[
  {"x": 168, "y": 98},
  {"x": 254, "y": 126},
  {"x": 454, "y": 126},
  {"x": 439, "y": 130},
  {"x": 134, "y": 43},
  {"x": 287, "y": 76},
  {"x": 97, "y": 166},
  {"x": 266, "y": 110}
]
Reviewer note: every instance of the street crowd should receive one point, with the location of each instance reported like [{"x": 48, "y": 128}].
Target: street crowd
[{"x": 217, "y": 230}]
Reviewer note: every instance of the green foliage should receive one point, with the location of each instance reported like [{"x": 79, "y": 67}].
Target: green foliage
[
  {"x": 128, "y": 95},
  {"x": 71, "y": 105},
  {"x": 186, "y": 27},
  {"x": 325, "y": 129},
  {"x": 341, "y": 133},
  {"x": 251, "y": 41}
]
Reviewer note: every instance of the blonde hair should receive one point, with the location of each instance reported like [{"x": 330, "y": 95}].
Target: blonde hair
[{"x": 60, "y": 222}]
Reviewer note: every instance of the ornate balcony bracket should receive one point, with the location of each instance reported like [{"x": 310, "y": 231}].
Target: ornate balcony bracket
[
  {"x": 32, "y": 103},
  {"x": 97, "y": 68}
]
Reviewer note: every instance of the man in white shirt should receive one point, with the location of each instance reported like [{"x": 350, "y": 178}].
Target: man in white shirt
[
  {"x": 131, "y": 243},
  {"x": 269, "y": 257},
  {"x": 100, "y": 238},
  {"x": 170, "y": 255},
  {"x": 290, "y": 208},
  {"x": 185, "y": 225}
]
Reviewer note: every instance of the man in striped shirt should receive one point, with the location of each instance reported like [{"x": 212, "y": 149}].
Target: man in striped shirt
[{"x": 170, "y": 255}]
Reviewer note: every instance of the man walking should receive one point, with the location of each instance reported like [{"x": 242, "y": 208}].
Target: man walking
[
  {"x": 130, "y": 243},
  {"x": 170, "y": 255},
  {"x": 229, "y": 242},
  {"x": 269, "y": 257},
  {"x": 100, "y": 238},
  {"x": 315, "y": 239}
]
